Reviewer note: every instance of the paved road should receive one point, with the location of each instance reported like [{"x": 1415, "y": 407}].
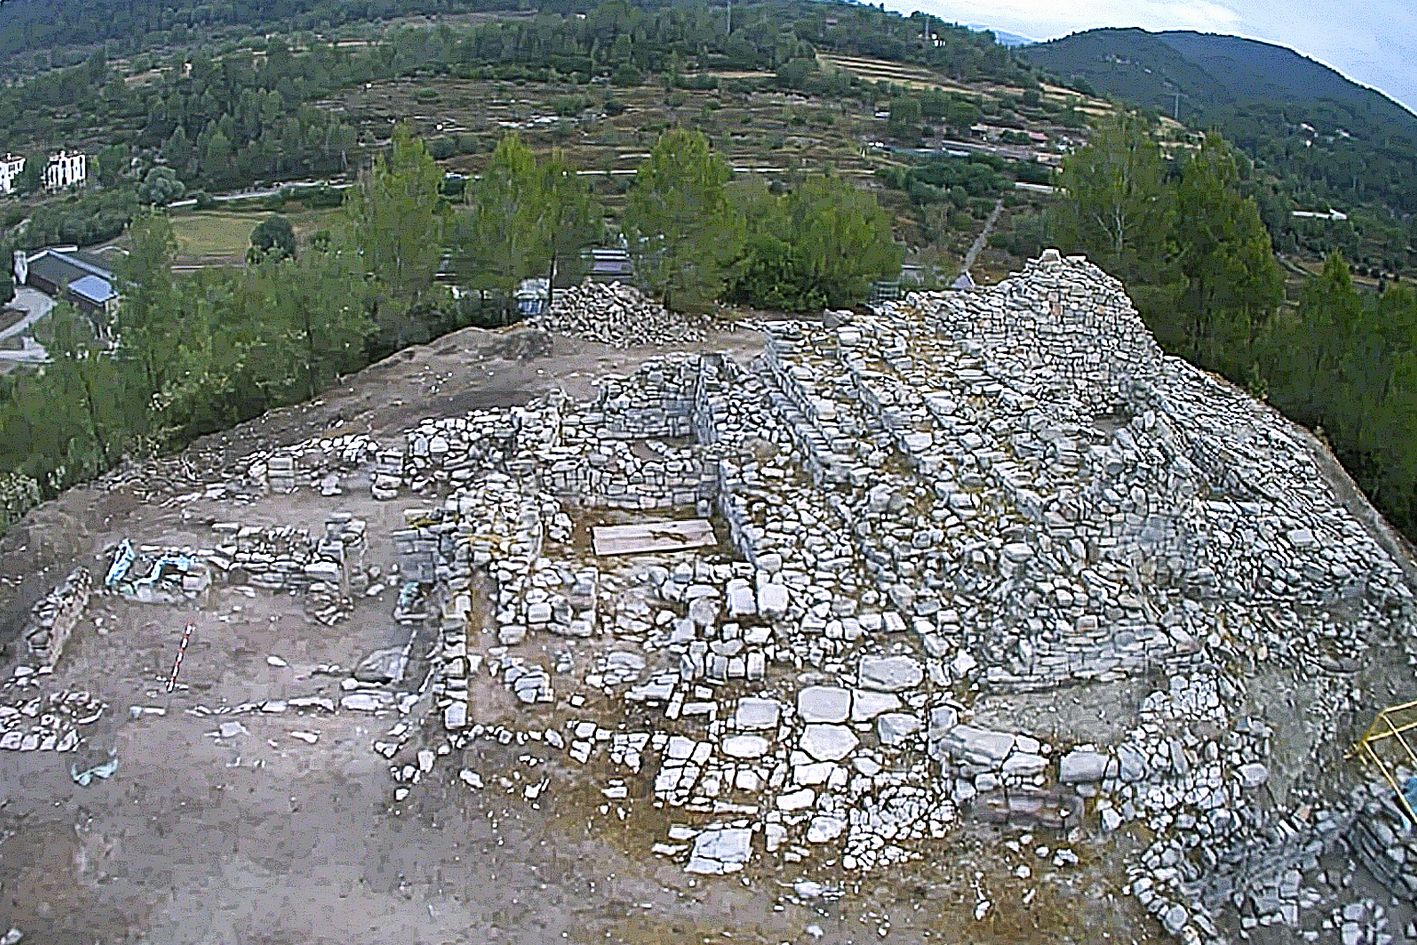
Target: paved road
[
  {"x": 270, "y": 191},
  {"x": 36, "y": 305},
  {"x": 983, "y": 237}
]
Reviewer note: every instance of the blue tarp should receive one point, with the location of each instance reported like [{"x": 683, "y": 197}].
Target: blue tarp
[{"x": 122, "y": 561}]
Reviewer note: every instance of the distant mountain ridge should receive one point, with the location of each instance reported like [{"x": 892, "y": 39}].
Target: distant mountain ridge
[
  {"x": 1207, "y": 69},
  {"x": 1335, "y": 140}
]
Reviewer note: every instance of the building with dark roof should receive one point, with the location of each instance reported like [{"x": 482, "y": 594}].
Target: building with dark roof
[
  {"x": 72, "y": 275},
  {"x": 610, "y": 265}
]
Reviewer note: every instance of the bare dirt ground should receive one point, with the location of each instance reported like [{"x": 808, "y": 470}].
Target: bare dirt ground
[{"x": 261, "y": 837}]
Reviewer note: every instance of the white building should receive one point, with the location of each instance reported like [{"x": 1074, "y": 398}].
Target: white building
[
  {"x": 65, "y": 170},
  {"x": 11, "y": 166}
]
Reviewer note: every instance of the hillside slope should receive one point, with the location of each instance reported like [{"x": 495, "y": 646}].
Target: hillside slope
[
  {"x": 1328, "y": 139},
  {"x": 1208, "y": 70}
]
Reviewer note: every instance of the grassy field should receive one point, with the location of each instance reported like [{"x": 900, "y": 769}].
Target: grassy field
[{"x": 224, "y": 235}]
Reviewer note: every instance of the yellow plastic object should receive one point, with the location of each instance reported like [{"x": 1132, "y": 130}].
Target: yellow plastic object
[{"x": 1388, "y": 740}]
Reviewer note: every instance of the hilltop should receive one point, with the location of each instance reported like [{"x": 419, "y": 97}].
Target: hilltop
[
  {"x": 972, "y": 586},
  {"x": 1326, "y": 137},
  {"x": 1209, "y": 70}
]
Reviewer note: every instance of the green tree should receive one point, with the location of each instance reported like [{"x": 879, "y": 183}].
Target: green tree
[
  {"x": 1233, "y": 284},
  {"x": 7, "y": 272},
  {"x": 313, "y": 324},
  {"x": 160, "y": 187},
  {"x": 90, "y": 394},
  {"x": 396, "y": 218},
  {"x": 1304, "y": 356},
  {"x": 1120, "y": 212},
  {"x": 275, "y": 235},
  {"x": 499, "y": 239},
  {"x": 113, "y": 162},
  {"x": 145, "y": 320},
  {"x": 821, "y": 245},
  {"x": 572, "y": 220},
  {"x": 841, "y": 239},
  {"x": 905, "y": 117},
  {"x": 216, "y": 159},
  {"x": 31, "y": 178},
  {"x": 178, "y": 150},
  {"x": 766, "y": 273},
  {"x": 676, "y": 220}
]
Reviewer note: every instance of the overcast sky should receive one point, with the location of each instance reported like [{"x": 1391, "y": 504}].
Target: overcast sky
[{"x": 1373, "y": 42}]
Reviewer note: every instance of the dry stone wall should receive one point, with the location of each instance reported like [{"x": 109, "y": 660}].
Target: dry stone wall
[
  {"x": 54, "y": 616},
  {"x": 950, "y": 500}
]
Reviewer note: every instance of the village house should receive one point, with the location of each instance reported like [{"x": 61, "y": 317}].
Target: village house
[
  {"x": 11, "y": 167},
  {"x": 66, "y": 170}
]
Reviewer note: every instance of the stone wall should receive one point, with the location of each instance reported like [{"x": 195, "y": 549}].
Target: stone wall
[
  {"x": 54, "y": 616},
  {"x": 1385, "y": 841},
  {"x": 657, "y": 401},
  {"x": 288, "y": 558},
  {"x": 285, "y": 558},
  {"x": 1082, "y": 331}
]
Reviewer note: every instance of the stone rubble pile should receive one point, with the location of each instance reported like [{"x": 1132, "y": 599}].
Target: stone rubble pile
[
  {"x": 44, "y": 721},
  {"x": 617, "y": 315},
  {"x": 53, "y": 617},
  {"x": 1385, "y": 841},
  {"x": 956, "y": 496},
  {"x": 316, "y": 464}
]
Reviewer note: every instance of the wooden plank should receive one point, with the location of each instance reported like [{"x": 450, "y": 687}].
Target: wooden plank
[{"x": 642, "y": 537}]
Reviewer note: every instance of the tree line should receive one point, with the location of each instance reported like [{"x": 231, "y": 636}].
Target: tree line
[
  {"x": 196, "y": 354},
  {"x": 694, "y": 234},
  {"x": 199, "y": 353},
  {"x": 1191, "y": 247}
]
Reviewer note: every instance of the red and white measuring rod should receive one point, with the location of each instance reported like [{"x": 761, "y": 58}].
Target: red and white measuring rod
[{"x": 181, "y": 650}]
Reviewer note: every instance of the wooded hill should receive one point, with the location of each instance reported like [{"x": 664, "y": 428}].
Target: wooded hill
[{"x": 1360, "y": 148}]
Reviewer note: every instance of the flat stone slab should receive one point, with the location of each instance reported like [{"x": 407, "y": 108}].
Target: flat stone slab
[
  {"x": 829, "y": 742},
  {"x": 721, "y": 850},
  {"x": 893, "y": 728},
  {"x": 382, "y": 667},
  {"x": 866, "y": 705},
  {"x": 824, "y": 704},
  {"x": 979, "y": 746},
  {"x": 659, "y": 536},
  {"x": 1081, "y": 766},
  {"x": 745, "y": 746},
  {"x": 754, "y": 714},
  {"x": 889, "y": 673}
]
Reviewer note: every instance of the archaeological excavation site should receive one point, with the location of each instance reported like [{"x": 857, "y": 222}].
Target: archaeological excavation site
[{"x": 968, "y": 617}]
